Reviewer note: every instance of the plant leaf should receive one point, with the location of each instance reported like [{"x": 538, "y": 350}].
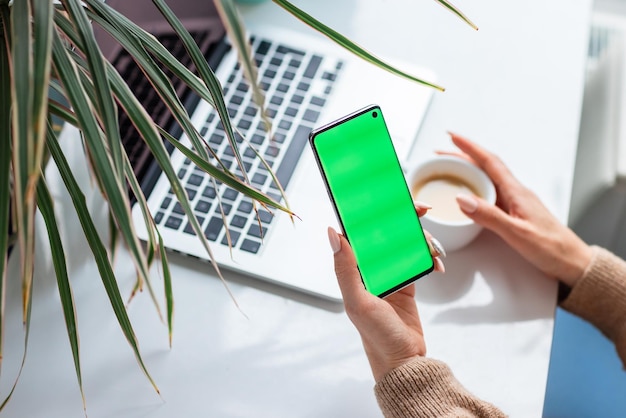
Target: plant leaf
[
  {"x": 237, "y": 33},
  {"x": 104, "y": 99},
  {"x": 27, "y": 310},
  {"x": 23, "y": 139},
  {"x": 133, "y": 182},
  {"x": 5, "y": 165},
  {"x": 103, "y": 14},
  {"x": 148, "y": 131},
  {"x": 206, "y": 74},
  {"x": 98, "y": 249},
  {"x": 457, "y": 12},
  {"x": 233, "y": 182},
  {"x": 46, "y": 208},
  {"x": 106, "y": 16},
  {"x": 42, "y": 50},
  {"x": 348, "y": 44},
  {"x": 113, "y": 188},
  {"x": 167, "y": 288}
]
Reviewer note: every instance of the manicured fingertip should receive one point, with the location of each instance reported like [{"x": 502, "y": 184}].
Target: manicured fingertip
[
  {"x": 438, "y": 247},
  {"x": 333, "y": 238},
  {"x": 439, "y": 265},
  {"x": 421, "y": 205},
  {"x": 467, "y": 203}
]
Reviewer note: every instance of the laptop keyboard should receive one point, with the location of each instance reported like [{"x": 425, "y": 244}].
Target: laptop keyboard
[{"x": 297, "y": 84}]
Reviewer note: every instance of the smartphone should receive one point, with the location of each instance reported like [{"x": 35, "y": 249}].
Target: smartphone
[{"x": 372, "y": 201}]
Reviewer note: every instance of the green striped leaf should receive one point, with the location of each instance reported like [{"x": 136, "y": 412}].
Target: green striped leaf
[
  {"x": 206, "y": 74},
  {"x": 237, "y": 34},
  {"x": 457, "y": 12},
  {"x": 115, "y": 23},
  {"x": 23, "y": 143},
  {"x": 98, "y": 249},
  {"x": 167, "y": 288},
  {"x": 46, "y": 208},
  {"x": 113, "y": 188},
  {"x": 5, "y": 164},
  {"x": 349, "y": 45},
  {"x": 104, "y": 100}
]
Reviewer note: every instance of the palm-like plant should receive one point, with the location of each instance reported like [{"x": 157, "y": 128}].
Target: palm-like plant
[{"x": 48, "y": 45}]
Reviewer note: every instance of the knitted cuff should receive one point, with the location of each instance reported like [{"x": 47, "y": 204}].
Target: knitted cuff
[
  {"x": 425, "y": 387},
  {"x": 599, "y": 296}
]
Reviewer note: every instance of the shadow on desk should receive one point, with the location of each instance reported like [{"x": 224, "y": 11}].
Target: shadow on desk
[
  {"x": 248, "y": 281},
  {"x": 511, "y": 289}
]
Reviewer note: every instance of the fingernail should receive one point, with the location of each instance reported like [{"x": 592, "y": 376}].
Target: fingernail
[
  {"x": 333, "y": 238},
  {"x": 438, "y": 247},
  {"x": 439, "y": 265},
  {"x": 468, "y": 204},
  {"x": 421, "y": 205}
]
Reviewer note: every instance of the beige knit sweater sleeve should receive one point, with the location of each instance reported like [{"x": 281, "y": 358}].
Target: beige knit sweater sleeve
[
  {"x": 600, "y": 297},
  {"x": 426, "y": 387}
]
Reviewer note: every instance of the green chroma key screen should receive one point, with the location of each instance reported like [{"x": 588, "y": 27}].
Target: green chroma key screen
[{"x": 372, "y": 200}]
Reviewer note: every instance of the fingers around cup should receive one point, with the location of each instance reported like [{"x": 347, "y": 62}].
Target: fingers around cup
[{"x": 437, "y": 182}]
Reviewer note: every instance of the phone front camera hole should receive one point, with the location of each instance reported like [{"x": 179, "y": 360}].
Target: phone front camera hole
[{"x": 374, "y": 114}]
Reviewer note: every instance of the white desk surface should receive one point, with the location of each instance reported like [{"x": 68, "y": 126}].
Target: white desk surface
[{"x": 514, "y": 86}]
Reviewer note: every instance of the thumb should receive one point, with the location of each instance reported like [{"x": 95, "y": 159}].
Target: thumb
[
  {"x": 483, "y": 213},
  {"x": 347, "y": 272}
]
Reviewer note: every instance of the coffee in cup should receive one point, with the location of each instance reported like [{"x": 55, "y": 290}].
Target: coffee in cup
[
  {"x": 440, "y": 191},
  {"x": 437, "y": 182}
]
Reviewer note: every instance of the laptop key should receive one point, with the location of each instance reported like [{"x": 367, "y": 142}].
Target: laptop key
[
  {"x": 287, "y": 50},
  {"x": 292, "y": 155},
  {"x": 216, "y": 139},
  {"x": 173, "y": 222},
  {"x": 238, "y": 221},
  {"x": 249, "y": 152},
  {"x": 158, "y": 218},
  {"x": 311, "y": 115},
  {"x": 245, "y": 206},
  {"x": 255, "y": 231},
  {"x": 257, "y": 139},
  {"x": 191, "y": 193},
  {"x": 203, "y": 206},
  {"x": 189, "y": 228},
  {"x": 178, "y": 208},
  {"x": 313, "y": 66},
  {"x": 291, "y": 111},
  {"x": 259, "y": 179},
  {"x": 318, "y": 101},
  {"x": 209, "y": 192},
  {"x": 230, "y": 194},
  {"x": 195, "y": 180},
  {"x": 250, "y": 246},
  {"x": 265, "y": 217},
  {"x": 234, "y": 236},
  {"x": 263, "y": 47},
  {"x": 166, "y": 202},
  {"x": 226, "y": 207},
  {"x": 213, "y": 229}
]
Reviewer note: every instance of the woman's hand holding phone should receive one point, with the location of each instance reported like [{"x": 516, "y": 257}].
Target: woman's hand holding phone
[{"x": 390, "y": 328}]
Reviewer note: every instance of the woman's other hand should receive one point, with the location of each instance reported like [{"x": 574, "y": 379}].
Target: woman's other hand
[{"x": 521, "y": 219}]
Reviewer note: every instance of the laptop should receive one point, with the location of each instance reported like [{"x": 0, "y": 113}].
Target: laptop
[{"x": 308, "y": 82}]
